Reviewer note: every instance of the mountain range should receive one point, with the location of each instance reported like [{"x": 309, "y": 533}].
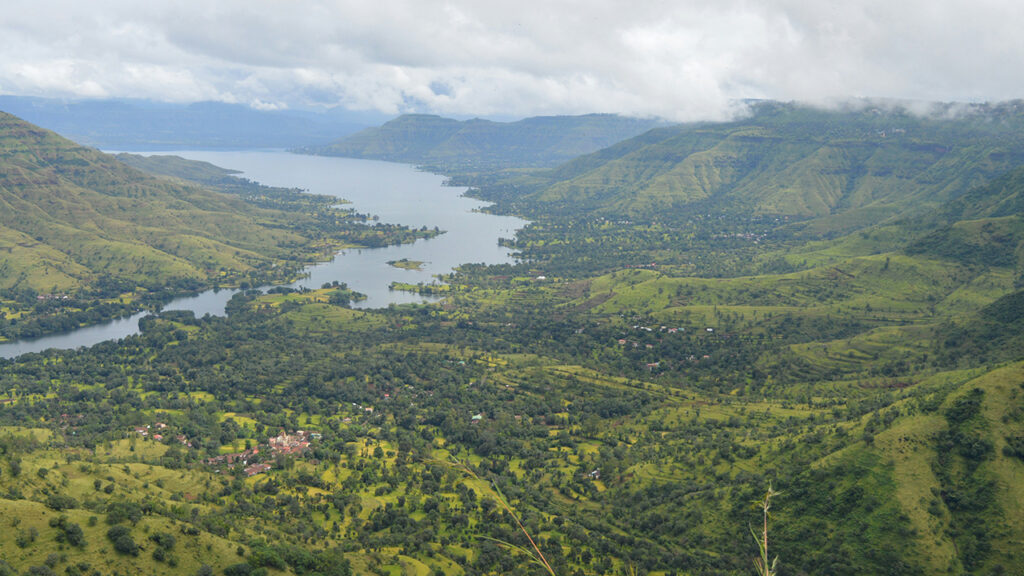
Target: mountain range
[
  {"x": 449, "y": 145},
  {"x": 126, "y": 125}
]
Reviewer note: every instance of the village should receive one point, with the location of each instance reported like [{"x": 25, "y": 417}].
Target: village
[
  {"x": 255, "y": 460},
  {"x": 627, "y": 343}
]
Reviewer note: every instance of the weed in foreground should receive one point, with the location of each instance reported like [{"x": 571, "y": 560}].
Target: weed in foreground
[{"x": 761, "y": 562}]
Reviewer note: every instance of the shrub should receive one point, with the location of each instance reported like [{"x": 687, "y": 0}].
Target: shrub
[
  {"x": 121, "y": 537},
  {"x": 69, "y": 531},
  {"x": 60, "y": 502},
  {"x": 164, "y": 540},
  {"x": 118, "y": 512}
]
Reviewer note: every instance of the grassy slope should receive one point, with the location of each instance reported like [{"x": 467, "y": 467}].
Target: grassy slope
[
  {"x": 67, "y": 474},
  {"x": 793, "y": 161},
  {"x": 70, "y": 214},
  {"x": 910, "y": 447}
]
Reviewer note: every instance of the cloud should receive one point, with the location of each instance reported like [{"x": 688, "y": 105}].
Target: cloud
[{"x": 682, "y": 60}]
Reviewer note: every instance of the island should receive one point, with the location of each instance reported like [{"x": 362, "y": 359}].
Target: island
[{"x": 406, "y": 264}]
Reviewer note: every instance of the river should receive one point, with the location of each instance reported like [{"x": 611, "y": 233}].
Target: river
[{"x": 396, "y": 193}]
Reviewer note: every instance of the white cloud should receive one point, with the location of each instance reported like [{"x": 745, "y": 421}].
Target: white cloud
[{"x": 685, "y": 59}]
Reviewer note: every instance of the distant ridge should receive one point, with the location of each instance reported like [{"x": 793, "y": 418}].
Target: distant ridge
[
  {"x": 796, "y": 161},
  {"x": 476, "y": 145},
  {"x": 144, "y": 125}
]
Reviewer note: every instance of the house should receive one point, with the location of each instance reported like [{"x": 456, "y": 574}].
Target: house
[
  {"x": 290, "y": 443},
  {"x": 257, "y": 469},
  {"x": 231, "y": 459}
]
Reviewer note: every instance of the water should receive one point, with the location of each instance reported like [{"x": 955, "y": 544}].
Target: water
[{"x": 396, "y": 193}]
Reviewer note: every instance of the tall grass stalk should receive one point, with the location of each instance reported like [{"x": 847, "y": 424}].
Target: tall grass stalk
[
  {"x": 761, "y": 562},
  {"x": 536, "y": 555}
]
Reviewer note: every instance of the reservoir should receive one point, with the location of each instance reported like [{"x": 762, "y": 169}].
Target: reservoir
[{"x": 396, "y": 193}]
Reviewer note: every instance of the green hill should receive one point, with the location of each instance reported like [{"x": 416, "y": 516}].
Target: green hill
[
  {"x": 475, "y": 145},
  {"x": 71, "y": 215},
  {"x": 794, "y": 161},
  {"x": 1002, "y": 197}
]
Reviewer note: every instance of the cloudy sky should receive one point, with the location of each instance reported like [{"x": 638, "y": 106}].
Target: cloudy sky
[{"x": 681, "y": 59}]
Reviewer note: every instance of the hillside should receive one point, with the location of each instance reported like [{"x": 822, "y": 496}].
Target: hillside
[
  {"x": 72, "y": 214},
  {"x": 480, "y": 145},
  {"x": 857, "y": 167}
]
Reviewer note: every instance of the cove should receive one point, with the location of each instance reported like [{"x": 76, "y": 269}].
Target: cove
[{"x": 396, "y": 193}]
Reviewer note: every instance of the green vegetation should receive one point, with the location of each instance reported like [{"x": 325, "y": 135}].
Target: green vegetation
[
  {"x": 612, "y": 404},
  {"x": 407, "y": 264},
  {"x": 422, "y": 288}
]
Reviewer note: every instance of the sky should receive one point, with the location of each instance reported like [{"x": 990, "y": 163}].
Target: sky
[{"x": 679, "y": 60}]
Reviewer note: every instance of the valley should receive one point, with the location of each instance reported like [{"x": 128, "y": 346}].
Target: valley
[{"x": 693, "y": 315}]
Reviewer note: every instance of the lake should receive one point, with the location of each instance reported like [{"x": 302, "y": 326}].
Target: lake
[{"x": 396, "y": 193}]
